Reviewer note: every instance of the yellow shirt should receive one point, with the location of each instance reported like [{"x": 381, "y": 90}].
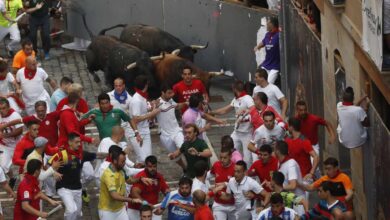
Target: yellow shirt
[
  {"x": 32, "y": 155},
  {"x": 11, "y": 7},
  {"x": 111, "y": 181}
]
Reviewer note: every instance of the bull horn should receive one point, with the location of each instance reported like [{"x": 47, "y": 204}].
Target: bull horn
[
  {"x": 176, "y": 52},
  {"x": 159, "y": 57},
  {"x": 197, "y": 47},
  {"x": 131, "y": 66}
]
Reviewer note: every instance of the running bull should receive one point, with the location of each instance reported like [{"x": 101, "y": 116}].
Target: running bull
[{"x": 154, "y": 41}]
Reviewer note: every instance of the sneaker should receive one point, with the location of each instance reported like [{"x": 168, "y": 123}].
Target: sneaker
[
  {"x": 12, "y": 182},
  {"x": 47, "y": 56},
  {"x": 85, "y": 196}
]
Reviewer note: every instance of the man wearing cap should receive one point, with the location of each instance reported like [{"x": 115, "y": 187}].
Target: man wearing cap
[{"x": 40, "y": 144}]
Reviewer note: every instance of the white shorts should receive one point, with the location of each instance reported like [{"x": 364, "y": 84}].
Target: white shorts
[
  {"x": 135, "y": 215},
  {"x": 119, "y": 215},
  {"x": 224, "y": 212},
  {"x": 6, "y": 157},
  {"x": 172, "y": 143},
  {"x": 14, "y": 32}
]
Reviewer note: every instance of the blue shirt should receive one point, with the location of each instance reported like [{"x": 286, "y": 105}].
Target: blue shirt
[
  {"x": 174, "y": 212},
  {"x": 272, "y": 53},
  {"x": 56, "y": 97}
]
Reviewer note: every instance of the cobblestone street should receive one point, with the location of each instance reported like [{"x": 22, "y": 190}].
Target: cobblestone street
[{"x": 72, "y": 64}]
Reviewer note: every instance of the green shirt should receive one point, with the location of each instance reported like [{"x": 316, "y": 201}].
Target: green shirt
[
  {"x": 105, "y": 121},
  {"x": 200, "y": 145},
  {"x": 11, "y": 8}
]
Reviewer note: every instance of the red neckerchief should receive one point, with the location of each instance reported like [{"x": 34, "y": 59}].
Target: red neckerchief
[
  {"x": 286, "y": 158},
  {"x": 105, "y": 113},
  {"x": 29, "y": 74},
  {"x": 108, "y": 159},
  {"x": 3, "y": 77},
  {"x": 347, "y": 103},
  {"x": 74, "y": 153},
  {"x": 10, "y": 111},
  {"x": 272, "y": 33},
  {"x": 242, "y": 94},
  {"x": 143, "y": 94}
]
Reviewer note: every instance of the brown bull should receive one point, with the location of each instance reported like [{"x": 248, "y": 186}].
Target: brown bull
[{"x": 169, "y": 70}]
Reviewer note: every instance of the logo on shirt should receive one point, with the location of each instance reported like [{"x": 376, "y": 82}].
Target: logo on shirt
[
  {"x": 26, "y": 195},
  {"x": 47, "y": 122}
]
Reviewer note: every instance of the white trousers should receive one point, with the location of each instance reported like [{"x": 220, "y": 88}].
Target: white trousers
[
  {"x": 119, "y": 215},
  {"x": 316, "y": 148},
  {"x": 242, "y": 214},
  {"x": 30, "y": 106},
  {"x": 272, "y": 75},
  {"x": 241, "y": 140},
  {"x": 6, "y": 157},
  {"x": 14, "y": 32},
  {"x": 73, "y": 203},
  {"x": 142, "y": 151},
  {"x": 87, "y": 173},
  {"x": 224, "y": 212},
  {"x": 135, "y": 215},
  {"x": 172, "y": 143}
]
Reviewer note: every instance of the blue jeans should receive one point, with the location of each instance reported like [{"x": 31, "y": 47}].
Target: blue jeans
[{"x": 44, "y": 23}]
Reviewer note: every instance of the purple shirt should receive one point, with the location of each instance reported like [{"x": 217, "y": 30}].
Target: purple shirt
[
  {"x": 272, "y": 53},
  {"x": 193, "y": 116},
  {"x": 236, "y": 156}
]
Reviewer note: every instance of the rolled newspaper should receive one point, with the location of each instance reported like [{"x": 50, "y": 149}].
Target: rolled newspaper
[{"x": 51, "y": 212}]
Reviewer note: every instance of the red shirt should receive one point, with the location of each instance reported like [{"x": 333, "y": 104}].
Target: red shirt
[
  {"x": 27, "y": 191},
  {"x": 299, "y": 149},
  {"x": 81, "y": 107},
  {"x": 257, "y": 116},
  {"x": 149, "y": 193},
  {"x": 222, "y": 174},
  {"x": 48, "y": 127},
  {"x": 264, "y": 170},
  {"x": 69, "y": 123},
  {"x": 183, "y": 91},
  {"x": 203, "y": 213},
  {"x": 309, "y": 127},
  {"x": 23, "y": 148}
]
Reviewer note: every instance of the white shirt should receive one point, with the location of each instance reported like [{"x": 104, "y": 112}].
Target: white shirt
[
  {"x": 123, "y": 106},
  {"x": 139, "y": 106},
  {"x": 11, "y": 141},
  {"x": 273, "y": 93},
  {"x": 263, "y": 135},
  {"x": 167, "y": 119},
  {"x": 291, "y": 171},
  {"x": 238, "y": 190},
  {"x": 5, "y": 84},
  {"x": 350, "y": 130},
  {"x": 32, "y": 89},
  {"x": 239, "y": 104},
  {"x": 197, "y": 184},
  {"x": 103, "y": 147}
]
